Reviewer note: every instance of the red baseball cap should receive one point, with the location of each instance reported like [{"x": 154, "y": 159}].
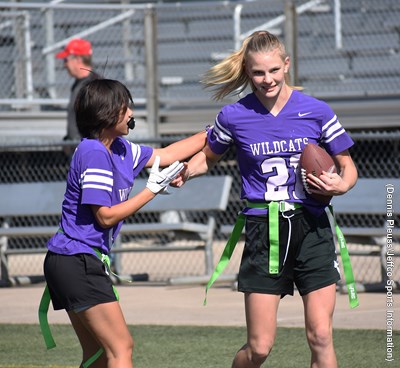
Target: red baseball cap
[{"x": 77, "y": 46}]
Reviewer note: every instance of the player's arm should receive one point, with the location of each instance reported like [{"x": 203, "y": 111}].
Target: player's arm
[
  {"x": 179, "y": 151},
  {"x": 109, "y": 216},
  {"x": 198, "y": 165},
  {"x": 347, "y": 172},
  {"x": 336, "y": 183},
  {"x": 157, "y": 182},
  {"x": 203, "y": 162}
]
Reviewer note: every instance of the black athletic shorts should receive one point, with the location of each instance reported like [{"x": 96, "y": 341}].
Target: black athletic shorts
[
  {"x": 307, "y": 255},
  {"x": 77, "y": 282}
]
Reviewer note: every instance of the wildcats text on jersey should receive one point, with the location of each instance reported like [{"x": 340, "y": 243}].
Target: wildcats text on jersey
[
  {"x": 273, "y": 147},
  {"x": 124, "y": 193}
]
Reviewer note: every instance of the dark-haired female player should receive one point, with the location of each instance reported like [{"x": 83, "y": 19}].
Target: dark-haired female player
[{"x": 101, "y": 176}]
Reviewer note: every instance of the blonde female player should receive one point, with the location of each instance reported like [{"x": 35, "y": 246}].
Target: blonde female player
[{"x": 269, "y": 128}]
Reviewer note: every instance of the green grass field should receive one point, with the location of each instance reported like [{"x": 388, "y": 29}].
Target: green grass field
[{"x": 191, "y": 347}]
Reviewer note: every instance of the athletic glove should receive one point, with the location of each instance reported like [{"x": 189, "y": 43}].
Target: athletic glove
[{"x": 159, "y": 180}]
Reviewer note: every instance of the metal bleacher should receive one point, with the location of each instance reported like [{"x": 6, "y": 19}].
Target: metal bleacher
[
  {"x": 369, "y": 52},
  {"x": 192, "y": 37}
]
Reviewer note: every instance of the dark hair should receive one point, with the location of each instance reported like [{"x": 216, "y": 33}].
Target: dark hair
[{"x": 99, "y": 105}]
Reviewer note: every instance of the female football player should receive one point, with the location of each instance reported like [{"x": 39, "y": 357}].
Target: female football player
[
  {"x": 289, "y": 241},
  {"x": 101, "y": 176}
]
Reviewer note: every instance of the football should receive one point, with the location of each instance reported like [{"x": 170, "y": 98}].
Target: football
[{"x": 314, "y": 159}]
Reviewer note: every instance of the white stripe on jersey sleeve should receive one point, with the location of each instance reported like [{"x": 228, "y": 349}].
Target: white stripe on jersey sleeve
[
  {"x": 96, "y": 186},
  {"x": 223, "y": 135},
  {"x": 98, "y": 179},
  {"x": 333, "y": 120},
  {"x": 98, "y": 171},
  {"x": 331, "y": 138},
  {"x": 136, "y": 153},
  {"x": 92, "y": 178},
  {"x": 331, "y": 130}
]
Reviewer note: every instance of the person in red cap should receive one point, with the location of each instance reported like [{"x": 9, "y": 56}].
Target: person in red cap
[{"x": 77, "y": 56}]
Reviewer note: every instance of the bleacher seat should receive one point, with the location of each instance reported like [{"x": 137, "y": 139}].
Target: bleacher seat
[
  {"x": 192, "y": 38},
  {"x": 367, "y": 65},
  {"x": 371, "y": 43}
]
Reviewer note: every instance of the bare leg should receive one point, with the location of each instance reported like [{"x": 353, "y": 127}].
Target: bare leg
[
  {"x": 261, "y": 310},
  {"x": 104, "y": 326},
  {"x": 319, "y": 306},
  {"x": 90, "y": 345}
]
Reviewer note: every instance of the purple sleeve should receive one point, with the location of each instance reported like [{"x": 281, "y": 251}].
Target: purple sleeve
[
  {"x": 334, "y": 137},
  {"x": 140, "y": 155},
  {"x": 219, "y": 137},
  {"x": 341, "y": 143},
  {"x": 97, "y": 179}
]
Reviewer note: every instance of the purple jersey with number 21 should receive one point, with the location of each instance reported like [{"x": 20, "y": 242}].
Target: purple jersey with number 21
[{"x": 268, "y": 147}]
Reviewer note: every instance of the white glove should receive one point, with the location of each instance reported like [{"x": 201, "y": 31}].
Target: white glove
[{"x": 159, "y": 180}]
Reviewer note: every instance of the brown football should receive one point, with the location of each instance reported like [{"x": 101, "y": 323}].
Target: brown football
[{"x": 314, "y": 159}]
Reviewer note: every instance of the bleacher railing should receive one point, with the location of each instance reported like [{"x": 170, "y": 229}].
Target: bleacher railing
[{"x": 340, "y": 46}]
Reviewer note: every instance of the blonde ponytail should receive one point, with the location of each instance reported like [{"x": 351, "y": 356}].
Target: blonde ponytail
[{"x": 229, "y": 76}]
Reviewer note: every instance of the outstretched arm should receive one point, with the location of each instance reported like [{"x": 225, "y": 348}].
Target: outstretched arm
[
  {"x": 180, "y": 150},
  {"x": 198, "y": 165}
]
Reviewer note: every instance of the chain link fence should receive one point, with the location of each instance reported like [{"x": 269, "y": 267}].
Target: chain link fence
[
  {"x": 341, "y": 50},
  {"x": 375, "y": 154}
]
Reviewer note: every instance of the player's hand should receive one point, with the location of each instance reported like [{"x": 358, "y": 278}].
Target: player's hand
[
  {"x": 328, "y": 183},
  {"x": 159, "y": 180},
  {"x": 182, "y": 177}
]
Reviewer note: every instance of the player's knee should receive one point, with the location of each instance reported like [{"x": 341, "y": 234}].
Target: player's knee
[
  {"x": 320, "y": 337},
  {"x": 122, "y": 350},
  {"x": 259, "y": 352},
  {"x": 129, "y": 345}
]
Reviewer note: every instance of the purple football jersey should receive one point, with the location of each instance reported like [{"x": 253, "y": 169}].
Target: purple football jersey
[
  {"x": 96, "y": 177},
  {"x": 269, "y": 147}
]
